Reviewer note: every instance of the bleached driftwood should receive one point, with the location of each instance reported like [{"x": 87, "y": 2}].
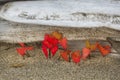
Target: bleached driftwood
[
  {"x": 76, "y": 19},
  {"x": 64, "y": 13}
]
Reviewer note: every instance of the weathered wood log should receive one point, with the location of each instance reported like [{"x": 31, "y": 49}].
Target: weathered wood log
[
  {"x": 64, "y": 13},
  {"x": 19, "y": 32}
]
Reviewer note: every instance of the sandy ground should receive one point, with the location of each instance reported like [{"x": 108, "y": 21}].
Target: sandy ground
[{"x": 37, "y": 67}]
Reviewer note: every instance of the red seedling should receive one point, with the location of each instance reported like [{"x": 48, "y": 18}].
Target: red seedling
[
  {"x": 85, "y": 53},
  {"x": 22, "y": 51},
  {"x": 104, "y": 50},
  {"x": 76, "y": 56},
  {"x": 65, "y": 54}
]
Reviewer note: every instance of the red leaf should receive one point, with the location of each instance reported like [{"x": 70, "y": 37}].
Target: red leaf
[
  {"x": 44, "y": 49},
  {"x": 63, "y": 43},
  {"x": 65, "y": 55},
  {"x": 76, "y": 59},
  {"x": 50, "y": 41},
  {"x": 22, "y": 44},
  {"x": 54, "y": 50},
  {"x": 54, "y": 41},
  {"x": 76, "y": 56},
  {"x": 103, "y": 50},
  {"x": 47, "y": 44},
  {"x": 21, "y": 51},
  {"x": 85, "y": 53},
  {"x": 49, "y": 38}
]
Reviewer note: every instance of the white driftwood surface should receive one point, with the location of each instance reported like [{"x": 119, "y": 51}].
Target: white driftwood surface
[{"x": 64, "y": 13}]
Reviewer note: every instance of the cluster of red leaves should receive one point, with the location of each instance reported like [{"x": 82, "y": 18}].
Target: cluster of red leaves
[
  {"x": 76, "y": 57},
  {"x": 51, "y": 42},
  {"x": 23, "y": 49}
]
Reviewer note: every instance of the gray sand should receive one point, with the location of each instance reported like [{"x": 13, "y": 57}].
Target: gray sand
[{"x": 37, "y": 67}]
